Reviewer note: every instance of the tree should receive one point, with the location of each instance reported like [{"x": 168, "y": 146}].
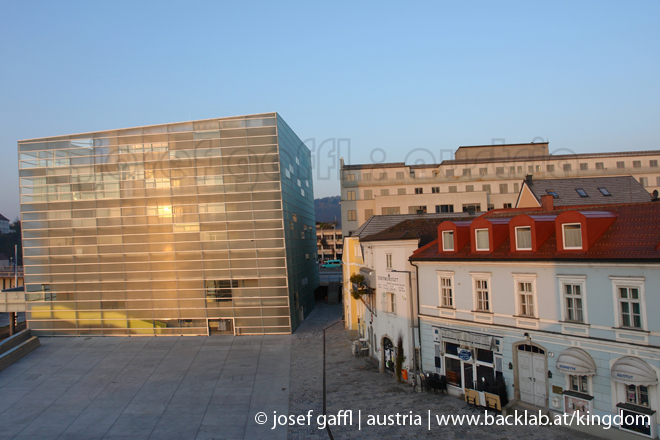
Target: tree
[
  {"x": 399, "y": 356},
  {"x": 16, "y": 226}
]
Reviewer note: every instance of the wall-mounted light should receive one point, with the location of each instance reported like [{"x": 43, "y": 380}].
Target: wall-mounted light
[{"x": 510, "y": 366}]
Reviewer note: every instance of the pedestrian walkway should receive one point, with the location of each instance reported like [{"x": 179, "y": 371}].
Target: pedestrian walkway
[{"x": 355, "y": 384}]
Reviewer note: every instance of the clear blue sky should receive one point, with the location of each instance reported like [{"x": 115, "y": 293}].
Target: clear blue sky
[{"x": 392, "y": 75}]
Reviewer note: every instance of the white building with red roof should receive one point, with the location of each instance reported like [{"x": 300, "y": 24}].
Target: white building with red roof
[{"x": 556, "y": 304}]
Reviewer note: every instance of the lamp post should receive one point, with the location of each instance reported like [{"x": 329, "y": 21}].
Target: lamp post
[{"x": 412, "y": 320}]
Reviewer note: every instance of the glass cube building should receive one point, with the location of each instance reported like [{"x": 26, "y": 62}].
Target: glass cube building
[{"x": 191, "y": 228}]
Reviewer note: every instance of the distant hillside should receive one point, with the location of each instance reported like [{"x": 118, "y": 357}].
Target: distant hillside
[{"x": 328, "y": 209}]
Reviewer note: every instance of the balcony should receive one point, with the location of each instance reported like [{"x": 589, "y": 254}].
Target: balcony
[{"x": 8, "y": 272}]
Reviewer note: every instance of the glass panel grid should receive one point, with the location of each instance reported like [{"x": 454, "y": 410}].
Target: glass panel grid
[{"x": 113, "y": 204}]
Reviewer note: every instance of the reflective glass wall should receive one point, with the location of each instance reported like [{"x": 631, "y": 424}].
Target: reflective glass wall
[
  {"x": 167, "y": 230},
  {"x": 300, "y": 222}
]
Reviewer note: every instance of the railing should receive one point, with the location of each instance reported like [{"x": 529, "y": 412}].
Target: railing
[
  {"x": 12, "y": 302},
  {"x": 329, "y": 278},
  {"x": 8, "y": 271}
]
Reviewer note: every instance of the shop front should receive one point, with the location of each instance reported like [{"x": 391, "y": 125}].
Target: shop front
[
  {"x": 636, "y": 395},
  {"x": 578, "y": 368},
  {"x": 469, "y": 361}
]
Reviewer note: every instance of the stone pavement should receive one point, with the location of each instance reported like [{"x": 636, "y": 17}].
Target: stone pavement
[
  {"x": 146, "y": 388},
  {"x": 355, "y": 384},
  {"x": 212, "y": 387}
]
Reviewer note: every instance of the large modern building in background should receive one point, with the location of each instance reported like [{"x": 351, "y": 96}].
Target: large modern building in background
[
  {"x": 479, "y": 178},
  {"x": 175, "y": 229}
]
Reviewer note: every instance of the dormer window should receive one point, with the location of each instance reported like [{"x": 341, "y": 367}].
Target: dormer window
[
  {"x": 581, "y": 192},
  {"x": 448, "y": 240},
  {"x": 524, "y": 238},
  {"x": 481, "y": 237},
  {"x": 572, "y": 235}
]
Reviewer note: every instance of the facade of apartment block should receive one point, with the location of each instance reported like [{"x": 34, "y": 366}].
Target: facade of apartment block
[
  {"x": 479, "y": 178},
  {"x": 329, "y": 243}
]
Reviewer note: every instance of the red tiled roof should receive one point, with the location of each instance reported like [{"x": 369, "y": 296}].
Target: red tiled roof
[
  {"x": 424, "y": 229},
  {"x": 633, "y": 236}
]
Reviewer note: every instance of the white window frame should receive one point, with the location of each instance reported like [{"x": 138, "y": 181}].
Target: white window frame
[
  {"x": 390, "y": 303},
  {"x": 590, "y": 384},
  {"x": 388, "y": 261},
  {"x": 482, "y": 276},
  {"x": 563, "y": 236},
  {"x": 638, "y": 389},
  {"x": 573, "y": 280},
  {"x": 476, "y": 241},
  {"x": 629, "y": 282},
  {"x": 525, "y": 278},
  {"x": 351, "y": 215},
  {"x": 444, "y": 248},
  {"x": 446, "y": 275},
  {"x": 518, "y": 248},
  {"x": 350, "y": 195}
]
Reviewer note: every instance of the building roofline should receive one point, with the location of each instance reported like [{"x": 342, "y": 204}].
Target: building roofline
[
  {"x": 143, "y": 126},
  {"x": 551, "y": 157},
  {"x": 375, "y": 165},
  {"x": 506, "y": 159},
  {"x": 504, "y": 145}
]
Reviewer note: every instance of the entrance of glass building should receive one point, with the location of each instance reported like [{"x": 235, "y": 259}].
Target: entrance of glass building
[{"x": 221, "y": 326}]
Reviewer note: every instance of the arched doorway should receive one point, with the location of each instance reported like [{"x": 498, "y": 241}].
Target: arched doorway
[
  {"x": 388, "y": 354},
  {"x": 531, "y": 373}
]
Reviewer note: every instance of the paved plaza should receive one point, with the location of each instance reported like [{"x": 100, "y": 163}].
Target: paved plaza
[
  {"x": 213, "y": 387},
  {"x": 146, "y": 388}
]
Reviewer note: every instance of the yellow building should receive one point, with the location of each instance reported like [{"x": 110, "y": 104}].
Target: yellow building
[{"x": 351, "y": 264}]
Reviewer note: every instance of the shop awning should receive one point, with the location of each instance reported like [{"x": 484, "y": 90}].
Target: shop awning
[
  {"x": 633, "y": 371},
  {"x": 575, "y": 360}
]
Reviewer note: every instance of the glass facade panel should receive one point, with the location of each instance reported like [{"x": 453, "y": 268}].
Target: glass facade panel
[{"x": 124, "y": 234}]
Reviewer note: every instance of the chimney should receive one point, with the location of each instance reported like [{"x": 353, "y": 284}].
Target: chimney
[
  {"x": 547, "y": 202},
  {"x": 528, "y": 179}
]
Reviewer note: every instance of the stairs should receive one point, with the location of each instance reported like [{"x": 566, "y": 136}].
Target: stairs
[{"x": 17, "y": 346}]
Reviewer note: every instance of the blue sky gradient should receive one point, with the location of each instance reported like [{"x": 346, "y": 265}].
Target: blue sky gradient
[{"x": 389, "y": 75}]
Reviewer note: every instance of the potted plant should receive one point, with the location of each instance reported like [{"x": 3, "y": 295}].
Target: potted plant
[{"x": 357, "y": 280}]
